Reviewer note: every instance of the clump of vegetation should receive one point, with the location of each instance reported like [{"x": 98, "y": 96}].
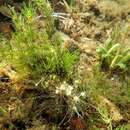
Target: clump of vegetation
[
  {"x": 114, "y": 56},
  {"x": 34, "y": 52},
  {"x": 42, "y": 57}
]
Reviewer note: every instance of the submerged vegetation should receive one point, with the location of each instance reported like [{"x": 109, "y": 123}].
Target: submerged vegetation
[{"x": 55, "y": 75}]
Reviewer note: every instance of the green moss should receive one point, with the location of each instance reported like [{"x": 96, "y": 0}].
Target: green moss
[{"x": 33, "y": 52}]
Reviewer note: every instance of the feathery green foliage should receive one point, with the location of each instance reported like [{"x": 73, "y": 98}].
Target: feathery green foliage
[
  {"x": 46, "y": 11},
  {"x": 32, "y": 51}
]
